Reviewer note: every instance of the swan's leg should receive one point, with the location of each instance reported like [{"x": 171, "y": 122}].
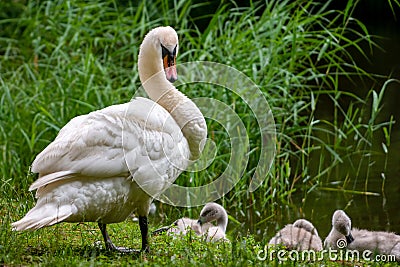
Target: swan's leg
[
  {"x": 144, "y": 229},
  {"x": 109, "y": 243}
]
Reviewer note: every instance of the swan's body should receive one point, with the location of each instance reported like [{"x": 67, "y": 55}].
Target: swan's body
[
  {"x": 109, "y": 163},
  {"x": 210, "y": 213},
  {"x": 375, "y": 241},
  {"x": 301, "y": 235}
]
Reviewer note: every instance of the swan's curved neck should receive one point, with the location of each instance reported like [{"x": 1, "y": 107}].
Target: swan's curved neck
[
  {"x": 151, "y": 71},
  {"x": 182, "y": 109}
]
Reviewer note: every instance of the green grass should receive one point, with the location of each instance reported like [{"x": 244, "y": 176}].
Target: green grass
[
  {"x": 60, "y": 59},
  {"x": 79, "y": 245}
]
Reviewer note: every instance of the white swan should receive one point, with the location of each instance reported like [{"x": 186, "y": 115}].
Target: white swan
[
  {"x": 301, "y": 235},
  {"x": 102, "y": 166},
  {"x": 358, "y": 239},
  {"x": 210, "y": 213}
]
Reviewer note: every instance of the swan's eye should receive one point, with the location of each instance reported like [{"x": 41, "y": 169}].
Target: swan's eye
[
  {"x": 168, "y": 57},
  {"x": 208, "y": 213},
  {"x": 174, "y": 52},
  {"x": 169, "y": 61}
]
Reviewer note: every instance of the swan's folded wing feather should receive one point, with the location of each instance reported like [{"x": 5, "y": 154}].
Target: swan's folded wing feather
[
  {"x": 51, "y": 178},
  {"x": 95, "y": 144},
  {"x": 89, "y": 144}
]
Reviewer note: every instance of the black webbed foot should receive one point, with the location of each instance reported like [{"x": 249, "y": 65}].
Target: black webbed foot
[
  {"x": 110, "y": 245},
  {"x": 124, "y": 250}
]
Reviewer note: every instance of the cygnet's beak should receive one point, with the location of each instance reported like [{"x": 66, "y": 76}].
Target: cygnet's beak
[{"x": 349, "y": 238}]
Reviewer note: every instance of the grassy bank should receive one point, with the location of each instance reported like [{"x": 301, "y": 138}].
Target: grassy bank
[
  {"x": 66, "y": 58},
  {"x": 81, "y": 245}
]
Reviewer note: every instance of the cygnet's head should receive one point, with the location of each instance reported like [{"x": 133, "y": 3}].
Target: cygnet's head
[
  {"x": 342, "y": 223},
  {"x": 213, "y": 212}
]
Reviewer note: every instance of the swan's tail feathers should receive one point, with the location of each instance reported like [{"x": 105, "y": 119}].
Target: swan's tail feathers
[
  {"x": 41, "y": 217},
  {"x": 50, "y": 178}
]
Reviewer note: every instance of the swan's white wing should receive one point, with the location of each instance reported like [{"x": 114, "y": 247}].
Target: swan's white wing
[
  {"x": 112, "y": 141},
  {"x": 83, "y": 141}
]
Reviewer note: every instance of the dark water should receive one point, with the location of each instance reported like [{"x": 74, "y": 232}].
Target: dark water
[{"x": 374, "y": 212}]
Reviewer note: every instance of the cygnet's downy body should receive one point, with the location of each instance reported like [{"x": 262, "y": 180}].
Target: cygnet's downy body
[
  {"x": 378, "y": 242},
  {"x": 301, "y": 235}
]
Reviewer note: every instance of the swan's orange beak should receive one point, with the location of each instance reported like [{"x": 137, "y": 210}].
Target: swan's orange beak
[
  {"x": 169, "y": 62},
  {"x": 170, "y": 68}
]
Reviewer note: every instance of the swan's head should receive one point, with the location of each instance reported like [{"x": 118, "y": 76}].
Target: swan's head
[
  {"x": 342, "y": 223},
  {"x": 212, "y": 212},
  {"x": 162, "y": 43}
]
